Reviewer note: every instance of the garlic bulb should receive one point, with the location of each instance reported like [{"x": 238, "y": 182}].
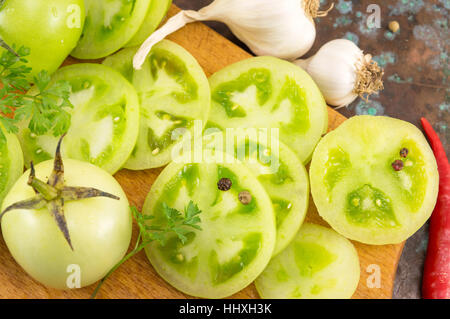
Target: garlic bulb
[
  {"x": 281, "y": 28},
  {"x": 342, "y": 72}
]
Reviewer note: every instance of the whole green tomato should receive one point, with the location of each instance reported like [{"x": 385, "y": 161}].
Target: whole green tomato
[
  {"x": 99, "y": 228},
  {"x": 50, "y": 28}
]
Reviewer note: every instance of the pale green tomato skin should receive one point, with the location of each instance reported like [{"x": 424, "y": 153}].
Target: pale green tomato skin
[
  {"x": 236, "y": 241},
  {"x": 155, "y": 14},
  {"x": 266, "y": 92},
  {"x": 110, "y": 25},
  {"x": 318, "y": 264},
  {"x": 11, "y": 163},
  {"x": 50, "y": 28},
  {"x": 104, "y": 120},
  {"x": 358, "y": 192},
  {"x": 100, "y": 228}
]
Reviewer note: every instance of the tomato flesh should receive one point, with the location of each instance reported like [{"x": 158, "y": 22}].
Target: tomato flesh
[
  {"x": 318, "y": 264},
  {"x": 280, "y": 172},
  {"x": 360, "y": 194},
  {"x": 100, "y": 228},
  {"x": 173, "y": 92},
  {"x": 109, "y": 25},
  {"x": 287, "y": 186},
  {"x": 265, "y": 92},
  {"x": 236, "y": 240},
  {"x": 104, "y": 123}
]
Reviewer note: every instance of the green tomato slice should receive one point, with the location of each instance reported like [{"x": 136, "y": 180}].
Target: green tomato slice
[
  {"x": 155, "y": 14},
  {"x": 236, "y": 241},
  {"x": 318, "y": 264},
  {"x": 281, "y": 173},
  {"x": 357, "y": 190},
  {"x": 11, "y": 162},
  {"x": 173, "y": 92},
  {"x": 109, "y": 25},
  {"x": 104, "y": 119},
  {"x": 266, "y": 92}
]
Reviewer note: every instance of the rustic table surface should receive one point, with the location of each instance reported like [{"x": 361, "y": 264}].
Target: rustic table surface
[{"x": 416, "y": 64}]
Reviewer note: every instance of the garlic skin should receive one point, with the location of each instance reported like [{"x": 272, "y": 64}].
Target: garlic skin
[
  {"x": 281, "y": 28},
  {"x": 342, "y": 72},
  {"x": 277, "y": 28}
]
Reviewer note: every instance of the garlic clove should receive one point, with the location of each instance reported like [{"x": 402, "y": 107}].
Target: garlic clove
[
  {"x": 282, "y": 28},
  {"x": 263, "y": 32},
  {"x": 343, "y": 72}
]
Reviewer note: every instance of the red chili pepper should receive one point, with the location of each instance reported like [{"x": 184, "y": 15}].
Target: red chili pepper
[{"x": 436, "y": 277}]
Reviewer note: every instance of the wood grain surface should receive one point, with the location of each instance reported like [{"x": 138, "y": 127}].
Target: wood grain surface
[{"x": 136, "y": 278}]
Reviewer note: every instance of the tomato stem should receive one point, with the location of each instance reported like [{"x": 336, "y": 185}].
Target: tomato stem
[
  {"x": 152, "y": 233},
  {"x": 47, "y": 191},
  {"x": 137, "y": 249},
  {"x": 3, "y": 43}
]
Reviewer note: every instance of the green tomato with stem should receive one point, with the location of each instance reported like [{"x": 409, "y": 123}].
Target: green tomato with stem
[{"x": 69, "y": 232}]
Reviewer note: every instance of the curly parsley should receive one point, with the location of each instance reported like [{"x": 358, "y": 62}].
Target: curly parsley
[
  {"x": 177, "y": 223},
  {"x": 44, "y": 109}
]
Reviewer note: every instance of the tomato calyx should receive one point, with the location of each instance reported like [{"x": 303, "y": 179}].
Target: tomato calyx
[{"x": 54, "y": 194}]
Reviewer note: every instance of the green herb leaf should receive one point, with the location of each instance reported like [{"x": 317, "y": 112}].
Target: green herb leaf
[
  {"x": 192, "y": 219},
  {"x": 46, "y": 110}
]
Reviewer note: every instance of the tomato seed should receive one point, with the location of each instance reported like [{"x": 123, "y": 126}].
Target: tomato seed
[
  {"x": 224, "y": 184},
  {"x": 245, "y": 197},
  {"x": 404, "y": 152},
  {"x": 397, "y": 165}
]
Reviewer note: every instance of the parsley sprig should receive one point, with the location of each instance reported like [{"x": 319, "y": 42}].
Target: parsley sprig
[
  {"x": 44, "y": 108},
  {"x": 176, "y": 223}
]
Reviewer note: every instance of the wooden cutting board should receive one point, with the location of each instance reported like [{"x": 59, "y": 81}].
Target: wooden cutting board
[{"x": 136, "y": 278}]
